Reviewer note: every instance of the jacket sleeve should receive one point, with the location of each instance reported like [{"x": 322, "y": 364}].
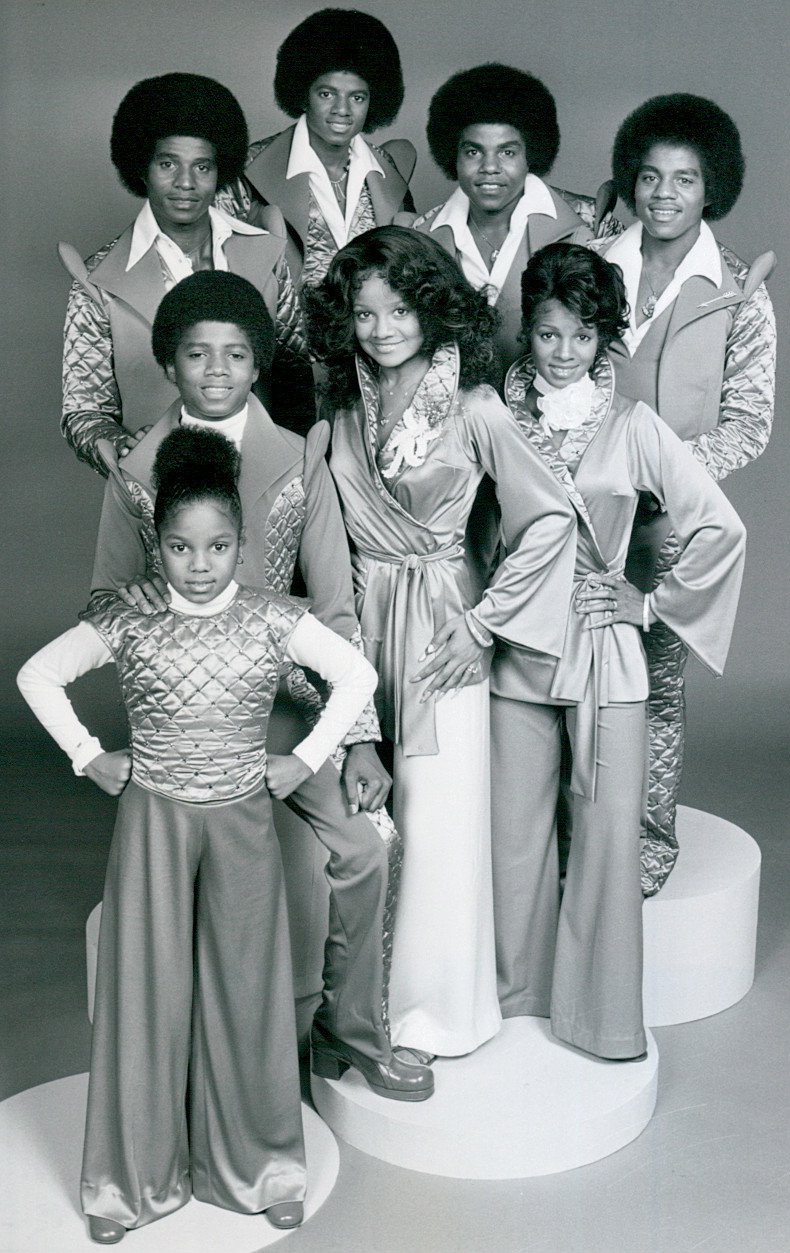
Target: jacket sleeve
[
  {"x": 325, "y": 564},
  {"x": 698, "y": 598},
  {"x": 91, "y": 399},
  {"x": 235, "y": 199},
  {"x": 293, "y": 389},
  {"x": 747, "y": 396},
  {"x": 120, "y": 556},
  {"x": 528, "y": 599}
]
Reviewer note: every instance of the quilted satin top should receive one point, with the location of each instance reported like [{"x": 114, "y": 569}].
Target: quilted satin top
[{"x": 198, "y": 691}]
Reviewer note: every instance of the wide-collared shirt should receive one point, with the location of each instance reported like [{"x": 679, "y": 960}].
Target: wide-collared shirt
[
  {"x": 304, "y": 159},
  {"x": 232, "y": 428},
  {"x": 703, "y": 259},
  {"x": 176, "y": 265},
  {"x": 455, "y": 214}
]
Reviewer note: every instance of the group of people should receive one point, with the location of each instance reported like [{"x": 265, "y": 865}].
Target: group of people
[{"x": 516, "y": 538}]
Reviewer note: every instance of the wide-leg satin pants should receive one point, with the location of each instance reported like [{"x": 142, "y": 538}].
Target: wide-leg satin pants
[
  {"x": 194, "y": 1083},
  {"x": 577, "y": 960}
]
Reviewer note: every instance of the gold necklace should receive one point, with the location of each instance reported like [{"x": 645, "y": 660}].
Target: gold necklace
[{"x": 495, "y": 251}]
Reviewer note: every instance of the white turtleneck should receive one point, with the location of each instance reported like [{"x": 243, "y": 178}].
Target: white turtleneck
[
  {"x": 43, "y": 678},
  {"x": 232, "y": 428}
]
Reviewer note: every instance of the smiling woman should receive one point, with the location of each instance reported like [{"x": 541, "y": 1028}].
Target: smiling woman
[
  {"x": 173, "y": 139},
  {"x": 339, "y": 74}
]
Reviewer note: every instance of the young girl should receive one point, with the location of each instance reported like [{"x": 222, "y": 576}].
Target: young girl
[
  {"x": 582, "y": 962},
  {"x": 194, "y": 1085},
  {"x": 408, "y": 345}
]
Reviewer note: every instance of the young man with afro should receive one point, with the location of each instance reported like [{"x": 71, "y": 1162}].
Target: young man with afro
[
  {"x": 175, "y": 139},
  {"x": 701, "y": 351},
  {"x": 339, "y": 74}
]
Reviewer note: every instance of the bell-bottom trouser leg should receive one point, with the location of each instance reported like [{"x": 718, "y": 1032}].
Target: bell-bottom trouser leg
[
  {"x": 578, "y": 959},
  {"x": 194, "y": 1084},
  {"x": 351, "y": 1006}
]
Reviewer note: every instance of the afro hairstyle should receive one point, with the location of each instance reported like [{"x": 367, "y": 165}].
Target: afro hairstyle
[
  {"x": 695, "y": 123},
  {"x": 340, "y": 40},
  {"x": 193, "y": 464},
  {"x": 177, "y": 104},
  {"x": 583, "y": 282},
  {"x": 213, "y": 296},
  {"x": 494, "y": 93}
]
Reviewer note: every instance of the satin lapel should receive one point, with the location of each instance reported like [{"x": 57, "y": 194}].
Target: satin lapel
[
  {"x": 386, "y": 194},
  {"x": 443, "y": 235},
  {"x": 267, "y": 454},
  {"x": 291, "y": 195},
  {"x": 698, "y": 297},
  {"x": 254, "y": 256},
  {"x": 517, "y": 384},
  {"x": 142, "y": 287},
  {"x": 139, "y": 463},
  {"x": 542, "y": 229}
]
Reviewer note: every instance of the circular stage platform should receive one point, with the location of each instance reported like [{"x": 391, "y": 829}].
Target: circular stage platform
[
  {"x": 41, "y": 1136},
  {"x": 701, "y": 929},
  {"x": 522, "y": 1105}
]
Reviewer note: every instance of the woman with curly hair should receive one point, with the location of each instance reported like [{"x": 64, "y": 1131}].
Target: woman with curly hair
[
  {"x": 407, "y": 345},
  {"x": 174, "y": 140},
  {"x": 581, "y": 962},
  {"x": 339, "y": 74},
  {"x": 494, "y": 130},
  {"x": 700, "y": 349}
]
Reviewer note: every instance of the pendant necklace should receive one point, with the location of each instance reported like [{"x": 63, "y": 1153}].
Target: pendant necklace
[
  {"x": 340, "y": 186},
  {"x": 479, "y": 230},
  {"x": 648, "y": 308}
]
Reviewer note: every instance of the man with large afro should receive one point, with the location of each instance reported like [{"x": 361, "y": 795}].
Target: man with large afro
[
  {"x": 174, "y": 137},
  {"x": 700, "y": 349},
  {"x": 339, "y": 75},
  {"x": 493, "y": 129}
]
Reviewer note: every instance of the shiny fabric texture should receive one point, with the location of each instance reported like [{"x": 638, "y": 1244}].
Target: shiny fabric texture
[
  {"x": 198, "y": 691},
  {"x": 576, "y": 959},
  {"x": 194, "y": 1080},
  {"x": 407, "y": 536},
  {"x": 102, "y": 390},
  {"x": 713, "y": 381},
  {"x": 628, "y": 450}
]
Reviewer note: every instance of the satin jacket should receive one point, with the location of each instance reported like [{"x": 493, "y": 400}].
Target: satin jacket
[
  {"x": 264, "y": 183},
  {"x": 291, "y": 514},
  {"x": 623, "y": 449},
  {"x": 110, "y": 377}
]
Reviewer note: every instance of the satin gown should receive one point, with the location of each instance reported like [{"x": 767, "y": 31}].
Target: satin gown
[{"x": 406, "y": 508}]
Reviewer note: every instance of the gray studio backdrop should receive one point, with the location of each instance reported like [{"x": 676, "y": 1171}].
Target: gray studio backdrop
[{"x": 65, "y": 67}]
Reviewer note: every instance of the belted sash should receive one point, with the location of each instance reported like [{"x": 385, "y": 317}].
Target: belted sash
[{"x": 408, "y": 628}]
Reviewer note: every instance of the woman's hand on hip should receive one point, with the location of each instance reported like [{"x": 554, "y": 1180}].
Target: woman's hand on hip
[
  {"x": 285, "y": 773},
  {"x": 453, "y": 659},
  {"x": 613, "y": 598},
  {"x": 110, "y": 771}
]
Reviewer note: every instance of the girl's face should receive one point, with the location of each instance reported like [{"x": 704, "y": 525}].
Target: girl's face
[
  {"x": 387, "y": 330},
  {"x": 491, "y": 165},
  {"x": 563, "y": 348},
  {"x": 669, "y": 195},
  {"x": 199, "y": 547},
  {"x": 213, "y": 369},
  {"x": 337, "y": 107},
  {"x": 181, "y": 181}
]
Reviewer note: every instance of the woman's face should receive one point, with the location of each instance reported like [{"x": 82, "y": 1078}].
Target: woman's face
[
  {"x": 563, "y": 348},
  {"x": 491, "y": 165},
  {"x": 181, "y": 180},
  {"x": 669, "y": 195},
  {"x": 387, "y": 330},
  {"x": 337, "y": 107},
  {"x": 199, "y": 547}
]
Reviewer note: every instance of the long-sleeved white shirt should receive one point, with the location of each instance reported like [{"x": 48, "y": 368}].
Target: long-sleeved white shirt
[{"x": 43, "y": 678}]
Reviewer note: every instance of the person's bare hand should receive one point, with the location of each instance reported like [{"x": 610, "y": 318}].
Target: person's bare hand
[
  {"x": 110, "y": 771},
  {"x": 366, "y": 783},
  {"x": 284, "y": 774},
  {"x": 147, "y": 595},
  {"x": 453, "y": 659},
  {"x": 613, "y": 598}
]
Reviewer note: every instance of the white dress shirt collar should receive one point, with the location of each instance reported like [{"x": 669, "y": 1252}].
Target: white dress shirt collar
[
  {"x": 303, "y": 159},
  {"x": 455, "y": 213},
  {"x": 180, "y": 604},
  {"x": 232, "y": 428},
  {"x": 702, "y": 260},
  {"x": 146, "y": 232}
]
